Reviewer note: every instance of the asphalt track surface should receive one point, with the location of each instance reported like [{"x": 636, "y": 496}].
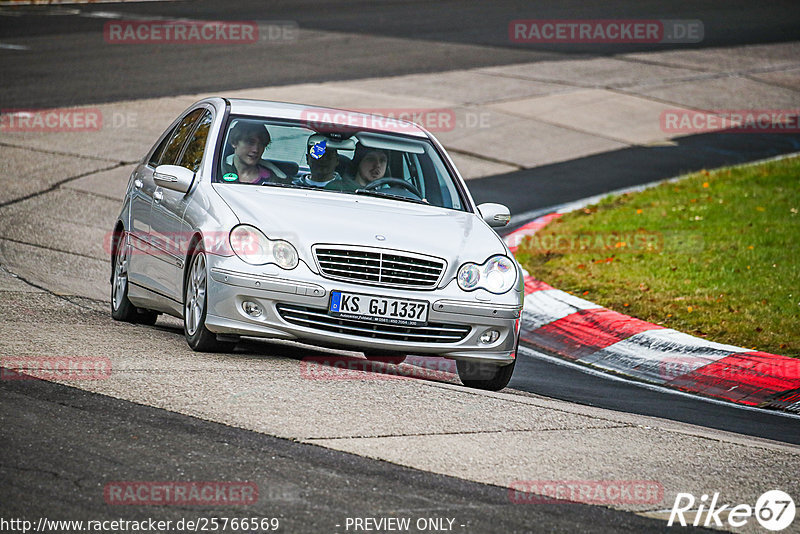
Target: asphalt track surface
[
  {"x": 430, "y": 37},
  {"x": 41, "y": 421},
  {"x": 559, "y": 183},
  {"x": 572, "y": 384},
  {"x": 63, "y": 445}
]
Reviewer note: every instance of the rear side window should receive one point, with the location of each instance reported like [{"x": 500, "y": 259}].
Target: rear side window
[
  {"x": 156, "y": 157},
  {"x": 167, "y": 153},
  {"x": 193, "y": 155}
]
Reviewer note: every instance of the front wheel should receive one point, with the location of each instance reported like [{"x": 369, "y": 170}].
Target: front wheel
[
  {"x": 487, "y": 376},
  {"x": 195, "y": 303}
]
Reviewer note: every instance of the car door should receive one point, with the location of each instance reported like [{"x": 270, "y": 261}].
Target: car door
[
  {"x": 153, "y": 266},
  {"x": 167, "y": 212},
  {"x": 142, "y": 190}
]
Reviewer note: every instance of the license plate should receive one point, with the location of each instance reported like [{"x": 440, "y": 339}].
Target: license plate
[{"x": 376, "y": 309}]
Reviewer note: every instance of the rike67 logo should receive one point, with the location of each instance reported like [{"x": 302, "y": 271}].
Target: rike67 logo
[{"x": 774, "y": 510}]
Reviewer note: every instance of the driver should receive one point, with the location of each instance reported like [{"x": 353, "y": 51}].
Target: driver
[{"x": 368, "y": 165}]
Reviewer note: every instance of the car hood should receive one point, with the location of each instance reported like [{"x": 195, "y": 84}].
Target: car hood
[{"x": 306, "y": 218}]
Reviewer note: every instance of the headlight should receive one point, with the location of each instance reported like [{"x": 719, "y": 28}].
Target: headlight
[
  {"x": 497, "y": 275},
  {"x": 468, "y": 276},
  {"x": 255, "y": 248},
  {"x": 285, "y": 254}
]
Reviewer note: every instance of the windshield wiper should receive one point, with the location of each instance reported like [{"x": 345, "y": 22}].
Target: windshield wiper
[
  {"x": 372, "y": 193},
  {"x": 289, "y": 185}
]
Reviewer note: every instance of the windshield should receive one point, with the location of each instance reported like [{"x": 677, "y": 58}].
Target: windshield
[{"x": 261, "y": 152}]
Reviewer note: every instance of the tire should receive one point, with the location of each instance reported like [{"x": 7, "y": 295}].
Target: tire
[
  {"x": 146, "y": 317},
  {"x": 195, "y": 305},
  {"x": 121, "y": 307},
  {"x": 485, "y": 375}
]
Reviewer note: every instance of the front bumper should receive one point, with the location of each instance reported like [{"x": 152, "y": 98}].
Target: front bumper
[{"x": 295, "y": 303}]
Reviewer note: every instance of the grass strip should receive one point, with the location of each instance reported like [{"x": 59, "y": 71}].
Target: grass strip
[{"x": 714, "y": 254}]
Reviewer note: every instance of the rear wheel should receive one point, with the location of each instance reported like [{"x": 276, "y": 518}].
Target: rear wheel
[
  {"x": 195, "y": 303},
  {"x": 121, "y": 307},
  {"x": 487, "y": 376}
]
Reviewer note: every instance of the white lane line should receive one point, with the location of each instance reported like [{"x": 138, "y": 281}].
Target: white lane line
[
  {"x": 532, "y": 353},
  {"x": 15, "y": 11},
  {"x": 102, "y": 14},
  {"x": 6, "y": 46},
  {"x": 111, "y": 15}
]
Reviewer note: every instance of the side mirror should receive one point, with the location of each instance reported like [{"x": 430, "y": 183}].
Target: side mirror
[
  {"x": 173, "y": 177},
  {"x": 495, "y": 215}
]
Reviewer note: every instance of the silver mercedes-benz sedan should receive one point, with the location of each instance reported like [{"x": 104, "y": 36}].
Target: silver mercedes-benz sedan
[{"x": 336, "y": 228}]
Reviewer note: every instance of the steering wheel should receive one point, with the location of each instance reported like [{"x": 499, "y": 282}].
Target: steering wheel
[{"x": 393, "y": 181}]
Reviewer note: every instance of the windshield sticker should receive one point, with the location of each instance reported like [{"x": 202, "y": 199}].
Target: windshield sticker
[
  {"x": 230, "y": 177},
  {"x": 318, "y": 150}
]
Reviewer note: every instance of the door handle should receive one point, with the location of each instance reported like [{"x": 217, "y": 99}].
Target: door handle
[
  {"x": 158, "y": 195},
  {"x": 138, "y": 183}
]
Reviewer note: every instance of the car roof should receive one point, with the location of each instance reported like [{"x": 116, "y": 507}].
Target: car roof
[{"x": 328, "y": 116}]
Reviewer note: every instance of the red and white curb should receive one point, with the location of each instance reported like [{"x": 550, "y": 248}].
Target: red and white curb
[{"x": 577, "y": 330}]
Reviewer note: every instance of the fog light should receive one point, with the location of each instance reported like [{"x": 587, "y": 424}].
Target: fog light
[
  {"x": 252, "y": 309},
  {"x": 490, "y": 336}
]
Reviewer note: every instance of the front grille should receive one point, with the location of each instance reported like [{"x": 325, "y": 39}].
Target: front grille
[
  {"x": 379, "y": 267},
  {"x": 432, "y": 333}
]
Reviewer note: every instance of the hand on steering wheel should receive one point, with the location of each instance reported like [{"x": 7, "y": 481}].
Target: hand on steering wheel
[{"x": 393, "y": 181}]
